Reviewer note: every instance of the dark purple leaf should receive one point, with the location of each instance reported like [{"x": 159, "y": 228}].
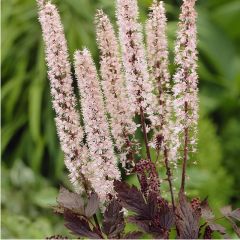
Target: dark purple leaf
[
  {"x": 209, "y": 217},
  {"x": 207, "y": 233},
  {"x": 79, "y": 226},
  {"x": 152, "y": 204},
  {"x": 206, "y": 211},
  {"x": 133, "y": 235},
  {"x": 153, "y": 216},
  {"x": 166, "y": 216},
  {"x": 187, "y": 220},
  {"x": 92, "y": 205},
  {"x": 235, "y": 214},
  {"x": 143, "y": 224},
  {"x": 234, "y": 226},
  {"x": 231, "y": 216},
  {"x": 226, "y": 210},
  {"x": 150, "y": 227},
  {"x": 218, "y": 228},
  {"x": 131, "y": 198},
  {"x": 70, "y": 200},
  {"x": 158, "y": 220},
  {"x": 113, "y": 222}
]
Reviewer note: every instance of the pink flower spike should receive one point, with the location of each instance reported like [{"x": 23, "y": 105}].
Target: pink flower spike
[
  {"x": 186, "y": 78},
  {"x": 69, "y": 130},
  {"x": 117, "y": 103},
  {"x": 158, "y": 64},
  {"x": 103, "y": 167},
  {"x": 139, "y": 87}
]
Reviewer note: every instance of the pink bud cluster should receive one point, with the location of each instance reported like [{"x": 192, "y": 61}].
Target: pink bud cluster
[
  {"x": 67, "y": 118},
  {"x": 186, "y": 79},
  {"x": 103, "y": 162},
  {"x": 147, "y": 172},
  {"x": 117, "y": 102}
]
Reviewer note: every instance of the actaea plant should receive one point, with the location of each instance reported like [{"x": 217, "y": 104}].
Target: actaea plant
[{"x": 133, "y": 93}]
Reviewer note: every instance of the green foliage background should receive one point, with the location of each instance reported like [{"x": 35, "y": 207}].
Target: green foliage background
[{"x": 32, "y": 163}]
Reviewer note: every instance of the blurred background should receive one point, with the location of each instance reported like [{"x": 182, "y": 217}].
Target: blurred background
[{"x": 32, "y": 162}]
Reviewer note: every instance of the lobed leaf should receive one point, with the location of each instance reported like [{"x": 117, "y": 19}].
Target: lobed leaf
[
  {"x": 187, "y": 220},
  {"x": 206, "y": 211},
  {"x": 231, "y": 216},
  {"x": 228, "y": 212},
  {"x": 131, "y": 198},
  {"x": 113, "y": 222},
  {"x": 79, "y": 226},
  {"x": 92, "y": 205},
  {"x": 208, "y": 216},
  {"x": 166, "y": 216},
  {"x": 235, "y": 214},
  {"x": 141, "y": 223},
  {"x": 218, "y": 228},
  {"x": 70, "y": 200}
]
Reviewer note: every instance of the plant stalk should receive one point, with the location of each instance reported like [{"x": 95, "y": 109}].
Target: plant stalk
[
  {"x": 145, "y": 133},
  {"x": 169, "y": 175},
  {"x": 96, "y": 222}
]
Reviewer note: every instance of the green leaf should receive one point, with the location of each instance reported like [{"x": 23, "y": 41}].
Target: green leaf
[
  {"x": 35, "y": 102},
  {"x": 38, "y": 155},
  {"x": 9, "y": 130},
  {"x": 227, "y": 16},
  {"x": 213, "y": 42},
  {"x": 45, "y": 198}
]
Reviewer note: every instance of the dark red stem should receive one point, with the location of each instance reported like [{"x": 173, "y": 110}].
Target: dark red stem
[
  {"x": 145, "y": 133},
  {"x": 169, "y": 176}
]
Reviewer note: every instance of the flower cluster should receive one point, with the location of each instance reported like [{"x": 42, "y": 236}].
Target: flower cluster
[
  {"x": 103, "y": 164},
  {"x": 158, "y": 62},
  {"x": 157, "y": 49},
  {"x": 149, "y": 179},
  {"x": 185, "y": 79},
  {"x": 139, "y": 87},
  {"x": 134, "y": 89},
  {"x": 117, "y": 102},
  {"x": 67, "y": 118}
]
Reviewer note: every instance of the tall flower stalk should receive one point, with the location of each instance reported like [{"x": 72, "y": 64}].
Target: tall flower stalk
[
  {"x": 104, "y": 162},
  {"x": 158, "y": 63},
  {"x": 186, "y": 83},
  {"x": 139, "y": 87},
  {"x": 117, "y": 102},
  {"x": 64, "y": 102}
]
